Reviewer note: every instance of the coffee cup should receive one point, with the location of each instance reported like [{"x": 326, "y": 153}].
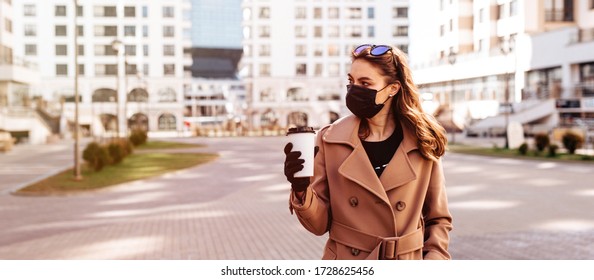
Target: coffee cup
[{"x": 303, "y": 139}]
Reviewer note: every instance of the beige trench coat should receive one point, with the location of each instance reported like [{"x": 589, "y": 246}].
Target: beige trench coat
[{"x": 401, "y": 215}]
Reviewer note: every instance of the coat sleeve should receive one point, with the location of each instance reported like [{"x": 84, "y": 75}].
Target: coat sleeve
[
  {"x": 314, "y": 211},
  {"x": 438, "y": 220}
]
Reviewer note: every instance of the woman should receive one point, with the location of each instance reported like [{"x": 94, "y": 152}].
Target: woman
[{"x": 378, "y": 185}]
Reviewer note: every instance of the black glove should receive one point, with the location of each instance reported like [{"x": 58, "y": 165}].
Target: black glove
[{"x": 293, "y": 165}]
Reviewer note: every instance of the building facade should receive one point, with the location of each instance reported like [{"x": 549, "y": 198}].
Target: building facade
[
  {"x": 491, "y": 62},
  {"x": 297, "y": 55},
  {"x": 215, "y": 96},
  {"x": 131, "y": 61}
]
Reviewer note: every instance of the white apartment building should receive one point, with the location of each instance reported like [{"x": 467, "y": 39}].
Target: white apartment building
[
  {"x": 540, "y": 50},
  {"x": 131, "y": 61},
  {"x": 297, "y": 55},
  {"x": 15, "y": 74}
]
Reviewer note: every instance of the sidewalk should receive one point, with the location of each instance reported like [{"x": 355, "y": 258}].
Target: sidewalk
[{"x": 26, "y": 163}]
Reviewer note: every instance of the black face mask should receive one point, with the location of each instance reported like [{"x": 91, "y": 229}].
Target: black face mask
[{"x": 361, "y": 101}]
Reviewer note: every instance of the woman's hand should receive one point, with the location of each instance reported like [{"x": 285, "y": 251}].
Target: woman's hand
[{"x": 293, "y": 165}]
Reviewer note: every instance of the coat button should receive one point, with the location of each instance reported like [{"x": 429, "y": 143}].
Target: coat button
[
  {"x": 355, "y": 252},
  {"x": 400, "y": 205},
  {"x": 354, "y": 201}
]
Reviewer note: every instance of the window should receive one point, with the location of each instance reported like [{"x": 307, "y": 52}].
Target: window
[
  {"x": 61, "y": 70},
  {"x": 130, "y": 30},
  {"x": 60, "y": 11},
  {"x": 168, "y": 31},
  {"x": 264, "y": 70},
  {"x": 318, "y": 50},
  {"x": 79, "y": 11},
  {"x": 400, "y": 12},
  {"x": 144, "y": 11},
  {"x": 333, "y": 31},
  {"x": 129, "y": 11},
  {"x": 169, "y": 50},
  {"x": 401, "y": 30},
  {"x": 167, "y": 122},
  {"x": 300, "y": 12},
  {"x": 61, "y": 50},
  {"x": 264, "y": 50},
  {"x": 81, "y": 69},
  {"x": 317, "y": 13},
  {"x": 29, "y": 10},
  {"x": 60, "y": 30},
  {"x": 30, "y": 49},
  {"x": 8, "y": 25},
  {"x": 169, "y": 69},
  {"x": 333, "y": 13},
  {"x": 500, "y": 11},
  {"x": 168, "y": 12},
  {"x": 300, "y": 31},
  {"x": 441, "y": 5},
  {"x": 167, "y": 95},
  {"x": 108, "y": 30},
  {"x": 301, "y": 69},
  {"x": 371, "y": 31},
  {"x": 333, "y": 50},
  {"x": 353, "y": 31},
  {"x": 80, "y": 31},
  {"x": 403, "y": 48},
  {"x": 451, "y": 24},
  {"x": 81, "y": 50},
  {"x": 131, "y": 69},
  {"x": 442, "y": 30},
  {"x": 300, "y": 50},
  {"x": 145, "y": 31},
  {"x": 333, "y": 69},
  {"x": 30, "y": 30},
  {"x": 106, "y": 69},
  {"x": 480, "y": 44},
  {"x": 105, "y": 11},
  {"x": 319, "y": 69},
  {"x": 558, "y": 10},
  {"x": 354, "y": 13},
  {"x": 130, "y": 49},
  {"x": 264, "y": 31},
  {"x": 145, "y": 50},
  {"x": 264, "y": 13},
  {"x": 482, "y": 15},
  {"x": 145, "y": 70},
  {"x": 318, "y": 31},
  {"x": 370, "y": 12},
  {"x": 104, "y": 50},
  {"x": 513, "y": 8},
  {"x": 591, "y": 4}
]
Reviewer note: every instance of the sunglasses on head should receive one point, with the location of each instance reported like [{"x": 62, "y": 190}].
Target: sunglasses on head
[{"x": 375, "y": 50}]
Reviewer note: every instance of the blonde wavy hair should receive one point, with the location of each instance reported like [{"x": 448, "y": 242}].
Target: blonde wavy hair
[{"x": 406, "y": 106}]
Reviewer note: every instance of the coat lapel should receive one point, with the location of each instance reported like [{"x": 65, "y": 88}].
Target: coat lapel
[
  {"x": 356, "y": 167},
  {"x": 400, "y": 168}
]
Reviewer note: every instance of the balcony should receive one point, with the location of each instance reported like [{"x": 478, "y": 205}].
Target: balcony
[
  {"x": 559, "y": 15},
  {"x": 18, "y": 70}
]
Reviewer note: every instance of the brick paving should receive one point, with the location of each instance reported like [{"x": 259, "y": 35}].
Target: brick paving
[{"x": 236, "y": 208}]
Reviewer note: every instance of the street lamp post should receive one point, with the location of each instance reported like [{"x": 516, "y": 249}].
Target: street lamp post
[
  {"x": 452, "y": 60},
  {"x": 77, "y": 173},
  {"x": 116, "y": 45},
  {"x": 506, "y": 48}
]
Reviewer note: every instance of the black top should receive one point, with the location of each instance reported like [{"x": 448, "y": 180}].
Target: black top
[{"x": 380, "y": 153}]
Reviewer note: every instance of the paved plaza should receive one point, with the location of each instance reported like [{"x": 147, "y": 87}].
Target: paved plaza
[{"x": 236, "y": 208}]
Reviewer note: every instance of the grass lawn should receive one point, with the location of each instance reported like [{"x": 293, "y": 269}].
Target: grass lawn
[
  {"x": 134, "y": 167},
  {"x": 513, "y": 153}
]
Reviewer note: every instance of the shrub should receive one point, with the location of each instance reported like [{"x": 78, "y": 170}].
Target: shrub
[
  {"x": 542, "y": 141},
  {"x": 572, "y": 141},
  {"x": 96, "y": 156},
  {"x": 523, "y": 149},
  {"x": 116, "y": 152},
  {"x": 138, "y": 137},
  {"x": 553, "y": 150}
]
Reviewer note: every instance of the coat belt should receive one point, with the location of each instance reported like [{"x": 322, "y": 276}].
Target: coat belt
[{"x": 379, "y": 247}]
